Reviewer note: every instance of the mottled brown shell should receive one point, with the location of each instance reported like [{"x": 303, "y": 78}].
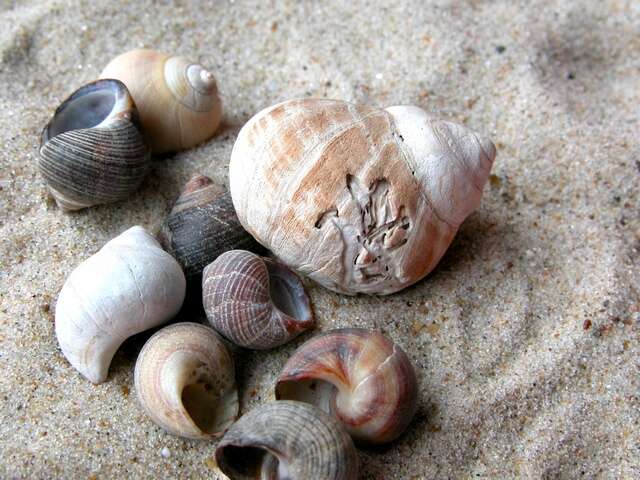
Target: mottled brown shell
[
  {"x": 361, "y": 377},
  {"x": 287, "y": 440}
]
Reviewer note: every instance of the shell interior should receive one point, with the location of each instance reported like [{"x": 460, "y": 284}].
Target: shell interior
[
  {"x": 287, "y": 292},
  {"x": 198, "y": 399},
  {"x": 317, "y": 392},
  {"x": 255, "y": 462}
]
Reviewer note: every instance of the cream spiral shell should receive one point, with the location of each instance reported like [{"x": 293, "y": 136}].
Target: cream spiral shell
[
  {"x": 185, "y": 381},
  {"x": 253, "y": 301},
  {"x": 92, "y": 150},
  {"x": 128, "y": 286},
  {"x": 287, "y": 440},
  {"x": 357, "y": 375},
  {"x": 178, "y": 100},
  {"x": 360, "y": 199}
]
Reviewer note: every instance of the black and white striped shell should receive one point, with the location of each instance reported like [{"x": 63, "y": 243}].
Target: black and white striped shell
[
  {"x": 287, "y": 440},
  {"x": 254, "y": 302},
  {"x": 92, "y": 151}
]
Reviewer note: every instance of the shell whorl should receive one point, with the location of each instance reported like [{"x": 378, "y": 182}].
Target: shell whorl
[
  {"x": 128, "y": 286},
  {"x": 191, "y": 84},
  {"x": 92, "y": 151},
  {"x": 185, "y": 381},
  {"x": 253, "y": 301},
  {"x": 287, "y": 440},
  {"x": 359, "y": 376},
  {"x": 338, "y": 193}
]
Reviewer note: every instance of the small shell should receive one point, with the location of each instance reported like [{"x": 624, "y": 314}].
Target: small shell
[
  {"x": 287, "y": 440},
  {"x": 129, "y": 286},
  {"x": 201, "y": 226},
  {"x": 359, "y": 376},
  {"x": 178, "y": 99},
  {"x": 92, "y": 150},
  {"x": 253, "y": 301},
  {"x": 185, "y": 381},
  {"x": 359, "y": 199}
]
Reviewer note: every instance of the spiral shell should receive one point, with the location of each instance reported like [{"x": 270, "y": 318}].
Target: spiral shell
[
  {"x": 253, "y": 301},
  {"x": 201, "y": 226},
  {"x": 357, "y": 375},
  {"x": 357, "y": 198},
  {"x": 178, "y": 99},
  {"x": 185, "y": 381},
  {"x": 129, "y": 286},
  {"x": 92, "y": 150},
  {"x": 287, "y": 440}
]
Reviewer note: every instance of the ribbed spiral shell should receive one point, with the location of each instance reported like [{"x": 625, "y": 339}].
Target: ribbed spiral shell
[
  {"x": 253, "y": 301},
  {"x": 359, "y": 376},
  {"x": 185, "y": 380},
  {"x": 92, "y": 151},
  {"x": 360, "y": 199},
  {"x": 287, "y": 440}
]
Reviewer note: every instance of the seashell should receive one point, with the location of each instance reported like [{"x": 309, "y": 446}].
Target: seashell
[
  {"x": 360, "y": 199},
  {"x": 185, "y": 381},
  {"x": 357, "y": 375},
  {"x": 287, "y": 440},
  {"x": 92, "y": 150},
  {"x": 129, "y": 286},
  {"x": 178, "y": 99},
  {"x": 253, "y": 301},
  {"x": 201, "y": 226}
]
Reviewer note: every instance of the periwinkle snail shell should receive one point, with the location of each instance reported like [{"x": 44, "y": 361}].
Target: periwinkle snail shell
[
  {"x": 92, "y": 150},
  {"x": 185, "y": 381},
  {"x": 128, "y": 286},
  {"x": 253, "y": 301},
  {"x": 359, "y": 199},
  {"x": 287, "y": 441},
  {"x": 178, "y": 100},
  {"x": 201, "y": 226},
  {"x": 357, "y": 375}
]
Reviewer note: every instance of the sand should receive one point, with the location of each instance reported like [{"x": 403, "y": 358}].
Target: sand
[{"x": 524, "y": 338}]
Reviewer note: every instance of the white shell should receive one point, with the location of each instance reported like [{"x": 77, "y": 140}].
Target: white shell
[
  {"x": 360, "y": 199},
  {"x": 129, "y": 286}
]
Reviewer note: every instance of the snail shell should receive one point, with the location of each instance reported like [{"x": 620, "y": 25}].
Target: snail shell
[
  {"x": 185, "y": 381},
  {"x": 253, "y": 301},
  {"x": 178, "y": 99},
  {"x": 92, "y": 150},
  {"x": 287, "y": 440},
  {"x": 201, "y": 226},
  {"x": 129, "y": 286},
  {"x": 357, "y": 375},
  {"x": 357, "y": 198}
]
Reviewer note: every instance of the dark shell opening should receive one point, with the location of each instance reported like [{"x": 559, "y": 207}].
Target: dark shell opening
[
  {"x": 287, "y": 292},
  {"x": 251, "y": 462},
  {"x": 87, "y": 107}
]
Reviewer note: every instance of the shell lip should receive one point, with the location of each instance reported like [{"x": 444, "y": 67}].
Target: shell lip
[{"x": 244, "y": 458}]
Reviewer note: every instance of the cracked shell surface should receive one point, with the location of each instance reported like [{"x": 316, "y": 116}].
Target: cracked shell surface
[{"x": 360, "y": 199}]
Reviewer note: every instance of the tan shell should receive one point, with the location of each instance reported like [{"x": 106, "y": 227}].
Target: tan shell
[
  {"x": 185, "y": 381},
  {"x": 177, "y": 99},
  {"x": 253, "y": 301},
  {"x": 360, "y": 199},
  {"x": 357, "y": 375},
  {"x": 287, "y": 441}
]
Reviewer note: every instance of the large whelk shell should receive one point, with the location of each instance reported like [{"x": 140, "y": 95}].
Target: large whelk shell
[
  {"x": 359, "y": 376},
  {"x": 201, "y": 226},
  {"x": 287, "y": 441},
  {"x": 358, "y": 198},
  {"x": 129, "y": 286},
  {"x": 92, "y": 150},
  {"x": 178, "y": 99},
  {"x": 253, "y": 301},
  {"x": 185, "y": 381}
]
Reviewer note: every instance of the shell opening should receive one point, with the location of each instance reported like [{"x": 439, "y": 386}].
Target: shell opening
[
  {"x": 253, "y": 462},
  {"x": 197, "y": 400},
  {"x": 287, "y": 292},
  {"x": 320, "y": 393}
]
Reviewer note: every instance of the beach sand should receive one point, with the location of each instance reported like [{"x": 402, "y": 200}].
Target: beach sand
[{"x": 524, "y": 338}]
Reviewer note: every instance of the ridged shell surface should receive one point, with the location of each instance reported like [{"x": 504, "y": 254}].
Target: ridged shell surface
[
  {"x": 359, "y": 376},
  {"x": 287, "y": 440},
  {"x": 360, "y": 199},
  {"x": 253, "y": 301},
  {"x": 185, "y": 380}
]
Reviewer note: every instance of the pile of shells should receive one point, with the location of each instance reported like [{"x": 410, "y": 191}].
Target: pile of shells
[{"x": 359, "y": 199}]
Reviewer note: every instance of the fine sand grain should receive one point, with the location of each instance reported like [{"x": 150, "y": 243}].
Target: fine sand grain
[{"x": 525, "y": 337}]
